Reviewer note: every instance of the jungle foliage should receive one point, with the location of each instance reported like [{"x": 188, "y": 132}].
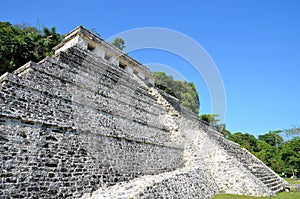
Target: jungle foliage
[
  {"x": 22, "y": 43},
  {"x": 279, "y": 149},
  {"x": 184, "y": 91}
]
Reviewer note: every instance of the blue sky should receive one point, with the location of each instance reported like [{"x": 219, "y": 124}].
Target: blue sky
[{"x": 255, "y": 45}]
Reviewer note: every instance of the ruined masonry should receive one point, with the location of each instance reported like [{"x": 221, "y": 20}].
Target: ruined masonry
[{"x": 89, "y": 123}]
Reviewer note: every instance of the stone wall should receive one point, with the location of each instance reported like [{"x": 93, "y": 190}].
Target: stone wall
[
  {"x": 76, "y": 124},
  {"x": 212, "y": 164},
  {"x": 72, "y": 123}
]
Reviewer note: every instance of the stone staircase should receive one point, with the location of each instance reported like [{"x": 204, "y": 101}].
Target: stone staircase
[
  {"x": 255, "y": 166},
  {"x": 119, "y": 94},
  {"x": 271, "y": 180},
  {"x": 77, "y": 122},
  {"x": 189, "y": 181},
  {"x": 97, "y": 124}
]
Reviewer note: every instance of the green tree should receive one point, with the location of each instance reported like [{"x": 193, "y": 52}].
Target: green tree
[
  {"x": 225, "y": 132},
  {"x": 295, "y": 131},
  {"x": 119, "y": 43},
  {"x": 279, "y": 155},
  {"x": 271, "y": 156},
  {"x": 246, "y": 140},
  {"x": 210, "y": 119},
  {"x": 184, "y": 91},
  {"x": 214, "y": 121},
  {"x": 22, "y": 43},
  {"x": 273, "y": 138},
  {"x": 291, "y": 155},
  {"x": 266, "y": 152}
]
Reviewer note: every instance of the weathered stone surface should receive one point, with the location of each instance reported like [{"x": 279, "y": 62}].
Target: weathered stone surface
[{"x": 78, "y": 125}]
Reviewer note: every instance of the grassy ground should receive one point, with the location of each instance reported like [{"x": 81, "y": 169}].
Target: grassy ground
[
  {"x": 283, "y": 195},
  {"x": 292, "y": 181}
]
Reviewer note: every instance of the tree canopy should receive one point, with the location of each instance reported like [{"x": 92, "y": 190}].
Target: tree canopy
[
  {"x": 271, "y": 148},
  {"x": 184, "y": 91},
  {"x": 210, "y": 119},
  {"x": 281, "y": 156},
  {"x": 119, "y": 43},
  {"x": 246, "y": 140},
  {"x": 273, "y": 138},
  {"x": 22, "y": 43},
  {"x": 290, "y": 154}
]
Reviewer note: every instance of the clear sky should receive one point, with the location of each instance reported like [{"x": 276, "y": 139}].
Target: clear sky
[{"x": 254, "y": 43}]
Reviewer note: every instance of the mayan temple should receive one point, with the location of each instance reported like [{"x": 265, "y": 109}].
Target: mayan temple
[{"x": 89, "y": 123}]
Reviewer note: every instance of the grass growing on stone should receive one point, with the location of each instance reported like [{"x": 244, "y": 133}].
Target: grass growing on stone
[{"x": 283, "y": 195}]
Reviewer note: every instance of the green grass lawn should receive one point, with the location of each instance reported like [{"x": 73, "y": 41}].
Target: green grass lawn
[
  {"x": 283, "y": 195},
  {"x": 292, "y": 181}
]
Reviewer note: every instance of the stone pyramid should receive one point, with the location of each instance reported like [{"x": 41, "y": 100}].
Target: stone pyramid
[{"x": 88, "y": 122}]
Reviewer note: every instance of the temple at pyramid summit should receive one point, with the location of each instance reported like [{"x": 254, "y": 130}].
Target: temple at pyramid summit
[{"x": 88, "y": 122}]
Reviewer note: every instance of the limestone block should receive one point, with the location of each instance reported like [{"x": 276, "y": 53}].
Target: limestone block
[
  {"x": 141, "y": 75},
  {"x": 114, "y": 60},
  {"x": 129, "y": 69},
  {"x": 77, "y": 40},
  {"x": 99, "y": 52}
]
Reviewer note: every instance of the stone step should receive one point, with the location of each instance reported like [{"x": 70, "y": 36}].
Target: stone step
[
  {"x": 115, "y": 92},
  {"x": 266, "y": 180},
  {"x": 265, "y": 176},
  {"x": 274, "y": 186},
  {"x": 277, "y": 188},
  {"x": 44, "y": 77},
  {"x": 270, "y": 180},
  {"x": 41, "y": 108},
  {"x": 80, "y": 56},
  {"x": 75, "y": 72},
  {"x": 264, "y": 173},
  {"x": 180, "y": 183},
  {"x": 95, "y": 65},
  {"x": 82, "y": 73},
  {"x": 273, "y": 183},
  {"x": 261, "y": 168},
  {"x": 255, "y": 166},
  {"x": 27, "y": 80},
  {"x": 109, "y": 105}
]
